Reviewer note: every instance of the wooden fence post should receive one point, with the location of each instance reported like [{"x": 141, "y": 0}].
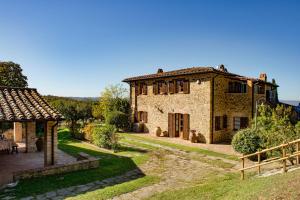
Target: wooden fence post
[
  {"x": 284, "y": 161},
  {"x": 259, "y": 160},
  {"x": 243, "y": 166},
  {"x": 297, "y": 151}
]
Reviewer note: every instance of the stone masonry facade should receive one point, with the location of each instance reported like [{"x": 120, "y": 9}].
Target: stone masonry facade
[{"x": 215, "y": 109}]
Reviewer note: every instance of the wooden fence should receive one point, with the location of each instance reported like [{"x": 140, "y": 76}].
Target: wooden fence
[{"x": 295, "y": 153}]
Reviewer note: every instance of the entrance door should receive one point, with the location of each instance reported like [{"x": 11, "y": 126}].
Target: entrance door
[{"x": 179, "y": 125}]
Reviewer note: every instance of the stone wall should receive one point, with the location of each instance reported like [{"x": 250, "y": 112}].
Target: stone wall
[
  {"x": 31, "y": 137},
  {"x": 9, "y": 134},
  {"x": 196, "y": 104},
  {"x": 233, "y": 105},
  {"x": 18, "y": 132},
  {"x": 90, "y": 163}
]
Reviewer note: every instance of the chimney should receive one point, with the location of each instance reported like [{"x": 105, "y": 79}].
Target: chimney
[
  {"x": 263, "y": 77},
  {"x": 222, "y": 68},
  {"x": 159, "y": 71}
]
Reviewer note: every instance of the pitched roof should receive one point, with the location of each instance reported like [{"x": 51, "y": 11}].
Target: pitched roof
[
  {"x": 25, "y": 104},
  {"x": 192, "y": 70}
]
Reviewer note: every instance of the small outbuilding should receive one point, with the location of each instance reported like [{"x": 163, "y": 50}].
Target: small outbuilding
[{"x": 25, "y": 118}]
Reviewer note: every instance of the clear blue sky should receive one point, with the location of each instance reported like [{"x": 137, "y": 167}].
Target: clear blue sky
[{"x": 76, "y": 48}]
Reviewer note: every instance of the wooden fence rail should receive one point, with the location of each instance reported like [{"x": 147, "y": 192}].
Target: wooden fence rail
[{"x": 284, "y": 157}]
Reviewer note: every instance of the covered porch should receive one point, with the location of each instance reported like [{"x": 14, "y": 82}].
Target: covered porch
[
  {"x": 29, "y": 122},
  {"x": 25, "y": 161}
]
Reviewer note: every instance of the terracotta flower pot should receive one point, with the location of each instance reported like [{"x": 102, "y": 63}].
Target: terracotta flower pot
[{"x": 158, "y": 131}]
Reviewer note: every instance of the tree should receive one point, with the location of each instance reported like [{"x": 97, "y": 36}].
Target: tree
[
  {"x": 11, "y": 75},
  {"x": 118, "y": 119},
  {"x": 113, "y": 98},
  {"x": 73, "y": 111}
]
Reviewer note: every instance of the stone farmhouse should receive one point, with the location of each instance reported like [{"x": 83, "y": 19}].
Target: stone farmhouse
[{"x": 204, "y": 101}]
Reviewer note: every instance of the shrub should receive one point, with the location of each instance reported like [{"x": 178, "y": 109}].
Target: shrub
[
  {"x": 106, "y": 137},
  {"x": 119, "y": 119},
  {"x": 88, "y": 132},
  {"x": 246, "y": 141},
  {"x": 75, "y": 129},
  {"x": 298, "y": 128}
]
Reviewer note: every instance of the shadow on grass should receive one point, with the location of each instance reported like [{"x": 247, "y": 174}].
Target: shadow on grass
[{"x": 111, "y": 165}]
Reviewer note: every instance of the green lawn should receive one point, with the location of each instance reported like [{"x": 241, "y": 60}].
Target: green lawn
[
  {"x": 111, "y": 164},
  {"x": 230, "y": 187},
  {"x": 116, "y": 190}
]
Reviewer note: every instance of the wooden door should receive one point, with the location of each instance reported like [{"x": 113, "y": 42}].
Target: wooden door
[
  {"x": 179, "y": 125},
  {"x": 186, "y": 126}
]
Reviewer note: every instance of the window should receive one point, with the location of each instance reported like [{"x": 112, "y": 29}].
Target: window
[
  {"x": 237, "y": 87},
  {"x": 179, "y": 86},
  {"x": 259, "y": 89},
  {"x": 162, "y": 87},
  {"x": 240, "y": 123},
  {"x": 142, "y": 117},
  {"x": 182, "y": 86},
  {"x": 218, "y": 123},
  {"x": 225, "y": 122},
  {"x": 40, "y": 129},
  {"x": 142, "y": 89}
]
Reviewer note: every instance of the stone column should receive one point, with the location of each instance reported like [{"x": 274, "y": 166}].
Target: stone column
[
  {"x": 30, "y": 137},
  {"x": 50, "y": 143},
  {"x": 18, "y": 132}
]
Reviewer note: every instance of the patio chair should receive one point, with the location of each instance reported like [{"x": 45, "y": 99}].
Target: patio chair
[{"x": 14, "y": 148}]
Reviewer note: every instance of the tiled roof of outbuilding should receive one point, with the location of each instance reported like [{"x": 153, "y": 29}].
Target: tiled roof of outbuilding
[{"x": 25, "y": 104}]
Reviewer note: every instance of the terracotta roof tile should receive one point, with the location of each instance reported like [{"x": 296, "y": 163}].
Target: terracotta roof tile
[
  {"x": 25, "y": 104},
  {"x": 192, "y": 70}
]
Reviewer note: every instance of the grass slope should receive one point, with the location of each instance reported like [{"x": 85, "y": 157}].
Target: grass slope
[
  {"x": 117, "y": 190},
  {"x": 230, "y": 187},
  {"x": 111, "y": 164}
]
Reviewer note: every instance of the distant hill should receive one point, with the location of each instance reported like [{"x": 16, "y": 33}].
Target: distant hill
[
  {"x": 84, "y": 98},
  {"x": 290, "y": 102},
  {"x": 51, "y": 97}
]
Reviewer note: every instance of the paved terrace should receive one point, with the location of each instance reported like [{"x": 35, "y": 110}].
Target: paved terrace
[{"x": 23, "y": 161}]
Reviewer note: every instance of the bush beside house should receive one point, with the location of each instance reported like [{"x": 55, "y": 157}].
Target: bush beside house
[
  {"x": 274, "y": 126},
  {"x": 105, "y": 137}
]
